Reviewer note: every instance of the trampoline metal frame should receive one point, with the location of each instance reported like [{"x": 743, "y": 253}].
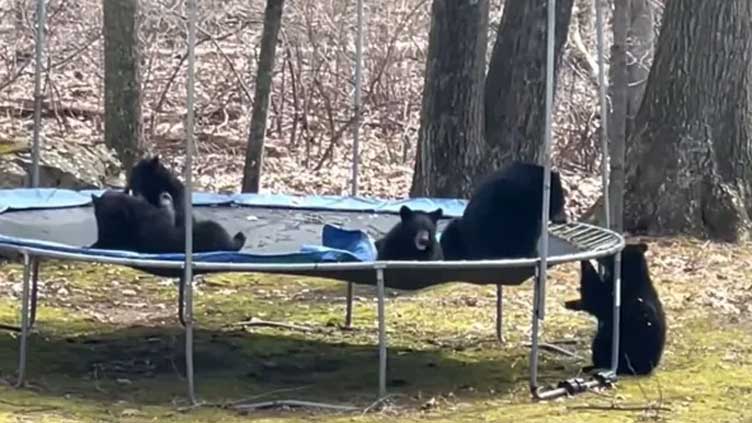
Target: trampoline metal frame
[{"x": 32, "y": 255}]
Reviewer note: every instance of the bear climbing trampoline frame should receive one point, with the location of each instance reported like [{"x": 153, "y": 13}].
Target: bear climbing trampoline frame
[{"x": 31, "y": 256}]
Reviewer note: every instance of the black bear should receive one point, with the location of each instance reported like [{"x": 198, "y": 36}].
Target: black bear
[
  {"x": 131, "y": 223},
  {"x": 452, "y": 246},
  {"x": 503, "y": 217},
  {"x": 126, "y": 222},
  {"x": 150, "y": 178},
  {"x": 208, "y": 235},
  {"x": 642, "y": 324},
  {"x": 413, "y": 238}
]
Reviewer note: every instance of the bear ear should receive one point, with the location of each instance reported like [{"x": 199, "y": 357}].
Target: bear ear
[
  {"x": 405, "y": 213},
  {"x": 154, "y": 161},
  {"x": 436, "y": 215}
]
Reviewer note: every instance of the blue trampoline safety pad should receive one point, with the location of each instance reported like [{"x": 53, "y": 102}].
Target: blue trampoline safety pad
[
  {"x": 40, "y": 198},
  {"x": 51, "y": 198}
]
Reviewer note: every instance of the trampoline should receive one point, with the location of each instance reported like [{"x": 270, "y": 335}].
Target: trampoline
[
  {"x": 296, "y": 232},
  {"x": 323, "y": 236}
]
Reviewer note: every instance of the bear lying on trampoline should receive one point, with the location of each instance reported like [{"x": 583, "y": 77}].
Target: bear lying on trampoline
[
  {"x": 152, "y": 184},
  {"x": 127, "y": 222},
  {"x": 503, "y": 216},
  {"x": 642, "y": 324},
  {"x": 413, "y": 238}
]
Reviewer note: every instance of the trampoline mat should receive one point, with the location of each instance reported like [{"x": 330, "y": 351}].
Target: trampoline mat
[{"x": 274, "y": 231}]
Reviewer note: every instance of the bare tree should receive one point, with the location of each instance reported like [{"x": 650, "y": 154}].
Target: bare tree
[
  {"x": 254, "y": 155},
  {"x": 19, "y": 7},
  {"x": 690, "y": 156},
  {"x": 640, "y": 44},
  {"x": 451, "y": 124},
  {"x": 618, "y": 116},
  {"x": 122, "y": 87},
  {"x": 516, "y": 83}
]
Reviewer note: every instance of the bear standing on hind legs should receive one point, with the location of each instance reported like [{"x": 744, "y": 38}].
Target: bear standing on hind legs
[{"x": 642, "y": 323}]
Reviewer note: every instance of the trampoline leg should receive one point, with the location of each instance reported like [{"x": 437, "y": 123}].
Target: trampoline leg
[
  {"x": 534, "y": 341},
  {"x": 499, "y": 314},
  {"x": 348, "y": 306},
  {"x": 34, "y": 291},
  {"x": 382, "y": 333},
  {"x": 22, "y": 351},
  {"x": 617, "y": 315},
  {"x": 181, "y": 300},
  {"x": 34, "y": 295},
  {"x": 187, "y": 320}
]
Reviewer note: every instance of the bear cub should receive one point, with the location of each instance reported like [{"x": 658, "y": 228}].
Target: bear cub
[
  {"x": 642, "y": 324},
  {"x": 502, "y": 218},
  {"x": 413, "y": 238},
  {"x": 131, "y": 223},
  {"x": 149, "y": 178},
  {"x": 208, "y": 235},
  {"x": 126, "y": 222}
]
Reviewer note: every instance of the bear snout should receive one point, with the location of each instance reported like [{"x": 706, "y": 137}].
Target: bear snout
[{"x": 422, "y": 240}]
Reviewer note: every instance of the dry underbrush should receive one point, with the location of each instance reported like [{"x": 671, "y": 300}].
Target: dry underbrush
[{"x": 309, "y": 143}]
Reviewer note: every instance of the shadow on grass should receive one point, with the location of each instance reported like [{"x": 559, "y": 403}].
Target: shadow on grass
[{"x": 145, "y": 365}]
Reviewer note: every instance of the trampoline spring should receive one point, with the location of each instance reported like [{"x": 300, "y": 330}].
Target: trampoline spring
[
  {"x": 588, "y": 238},
  {"x": 593, "y": 241},
  {"x": 578, "y": 232}
]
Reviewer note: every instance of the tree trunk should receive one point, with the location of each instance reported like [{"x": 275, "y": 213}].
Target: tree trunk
[
  {"x": 691, "y": 160},
  {"x": 18, "y": 28},
  {"x": 451, "y": 124},
  {"x": 640, "y": 56},
  {"x": 618, "y": 116},
  {"x": 640, "y": 42},
  {"x": 254, "y": 155},
  {"x": 122, "y": 85},
  {"x": 580, "y": 23},
  {"x": 516, "y": 80}
]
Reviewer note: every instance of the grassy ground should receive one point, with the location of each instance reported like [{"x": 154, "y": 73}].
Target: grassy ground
[{"x": 108, "y": 348}]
